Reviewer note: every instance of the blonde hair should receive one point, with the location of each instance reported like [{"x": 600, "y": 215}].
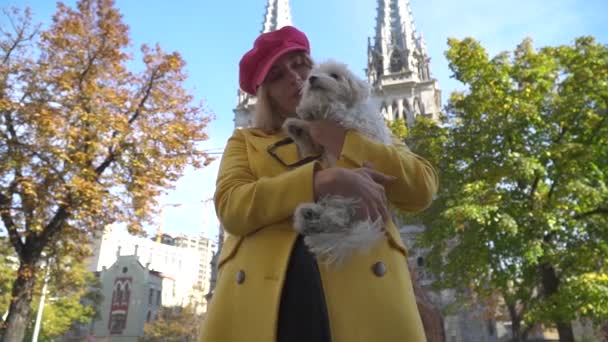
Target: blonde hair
[{"x": 265, "y": 115}]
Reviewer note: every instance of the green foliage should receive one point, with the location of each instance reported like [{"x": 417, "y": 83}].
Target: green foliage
[
  {"x": 522, "y": 155},
  {"x": 174, "y": 324},
  {"x": 398, "y": 127},
  {"x": 8, "y": 267}
]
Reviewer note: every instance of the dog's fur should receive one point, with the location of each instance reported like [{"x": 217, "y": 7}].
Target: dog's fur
[{"x": 333, "y": 92}]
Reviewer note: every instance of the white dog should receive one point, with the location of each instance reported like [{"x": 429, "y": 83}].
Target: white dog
[{"x": 329, "y": 226}]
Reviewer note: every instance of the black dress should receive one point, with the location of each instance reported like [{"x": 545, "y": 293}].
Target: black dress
[{"x": 303, "y": 313}]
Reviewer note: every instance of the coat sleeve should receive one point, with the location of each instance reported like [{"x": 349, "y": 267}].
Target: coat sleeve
[
  {"x": 417, "y": 180},
  {"x": 244, "y": 203}
]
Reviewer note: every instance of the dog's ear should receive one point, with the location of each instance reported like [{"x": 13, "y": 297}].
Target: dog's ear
[{"x": 360, "y": 90}]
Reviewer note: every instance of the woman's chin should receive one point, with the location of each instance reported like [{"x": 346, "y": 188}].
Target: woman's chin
[{"x": 292, "y": 115}]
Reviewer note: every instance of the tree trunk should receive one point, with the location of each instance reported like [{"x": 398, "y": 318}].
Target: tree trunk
[
  {"x": 551, "y": 286},
  {"x": 19, "y": 312},
  {"x": 515, "y": 324},
  {"x": 565, "y": 332}
]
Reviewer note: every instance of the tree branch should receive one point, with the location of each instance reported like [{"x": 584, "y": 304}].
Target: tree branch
[
  {"x": 597, "y": 211},
  {"x": 20, "y": 31},
  {"x": 552, "y": 189},
  {"x": 532, "y": 191},
  {"x": 104, "y": 165},
  {"x": 51, "y": 229},
  {"x": 13, "y": 137},
  {"x": 48, "y": 163},
  {"x": 149, "y": 86},
  {"x": 7, "y": 219},
  {"x": 112, "y": 154},
  {"x": 12, "y": 48}
]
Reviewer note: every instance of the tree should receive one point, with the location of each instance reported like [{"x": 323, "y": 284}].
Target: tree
[
  {"x": 83, "y": 140},
  {"x": 521, "y": 220},
  {"x": 174, "y": 324},
  {"x": 398, "y": 127}
]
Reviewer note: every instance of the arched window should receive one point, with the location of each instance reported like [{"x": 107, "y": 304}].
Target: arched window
[
  {"x": 396, "y": 62},
  {"x": 126, "y": 294},
  {"x": 418, "y": 108},
  {"x": 384, "y": 111},
  {"x": 407, "y": 110},
  {"x": 118, "y": 294},
  {"x": 396, "y": 113}
]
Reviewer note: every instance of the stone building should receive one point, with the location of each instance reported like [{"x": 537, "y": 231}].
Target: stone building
[{"x": 132, "y": 296}]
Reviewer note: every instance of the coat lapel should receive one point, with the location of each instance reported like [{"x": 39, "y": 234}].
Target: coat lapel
[{"x": 261, "y": 161}]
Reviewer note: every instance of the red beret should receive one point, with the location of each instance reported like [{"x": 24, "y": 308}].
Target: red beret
[{"x": 267, "y": 48}]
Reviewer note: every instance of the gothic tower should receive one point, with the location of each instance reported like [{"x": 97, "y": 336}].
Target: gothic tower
[{"x": 398, "y": 65}]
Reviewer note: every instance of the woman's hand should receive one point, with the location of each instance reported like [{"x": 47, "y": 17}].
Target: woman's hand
[{"x": 364, "y": 183}]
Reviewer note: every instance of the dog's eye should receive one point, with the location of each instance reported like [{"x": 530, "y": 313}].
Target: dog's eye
[{"x": 335, "y": 76}]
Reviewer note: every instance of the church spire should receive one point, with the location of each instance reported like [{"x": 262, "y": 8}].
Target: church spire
[
  {"x": 396, "y": 49},
  {"x": 398, "y": 65},
  {"x": 278, "y": 14}
]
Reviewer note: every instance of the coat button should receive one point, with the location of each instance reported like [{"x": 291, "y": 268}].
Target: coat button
[
  {"x": 240, "y": 277},
  {"x": 379, "y": 269}
]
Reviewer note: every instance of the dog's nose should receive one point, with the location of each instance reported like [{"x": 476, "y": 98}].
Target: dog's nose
[{"x": 312, "y": 79}]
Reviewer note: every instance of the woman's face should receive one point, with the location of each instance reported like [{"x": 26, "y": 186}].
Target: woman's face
[{"x": 285, "y": 80}]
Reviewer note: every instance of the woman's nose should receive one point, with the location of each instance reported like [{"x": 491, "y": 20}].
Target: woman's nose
[{"x": 294, "y": 75}]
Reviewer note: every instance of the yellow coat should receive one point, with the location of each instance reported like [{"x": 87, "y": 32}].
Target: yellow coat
[{"x": 255, "y": 198}]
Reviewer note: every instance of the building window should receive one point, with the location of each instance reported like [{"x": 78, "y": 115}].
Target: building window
[
  {"x": 420, "y": 262},
  {"x": 118, "y": 295},
  {"x": 158, "y": 293},
  {"x": 118, "y": 323},
  {"x": 148, "y": 316},
  {"x": 151, "y": 297},
  {"x": 396, "y": 61},
  {"x": 126, "y": 295}
]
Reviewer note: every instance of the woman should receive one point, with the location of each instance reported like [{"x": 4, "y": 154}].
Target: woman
[{"x": 270, "y": 288}]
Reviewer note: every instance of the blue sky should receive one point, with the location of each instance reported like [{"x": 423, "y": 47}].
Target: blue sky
[{"x": 213, "y": 35}]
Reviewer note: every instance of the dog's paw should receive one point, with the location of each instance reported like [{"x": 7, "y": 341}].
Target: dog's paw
[
  {"x": 334, "y": 247},
  {"x": 296, "y": 128},
  {"x": 307, "y": 218},
  {"x": 339, "y": 211}
]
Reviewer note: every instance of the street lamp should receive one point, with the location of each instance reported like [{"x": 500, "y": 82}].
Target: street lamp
[
  {"x": 41, "y": 304},
  {"x": 161, "y": 219}
]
